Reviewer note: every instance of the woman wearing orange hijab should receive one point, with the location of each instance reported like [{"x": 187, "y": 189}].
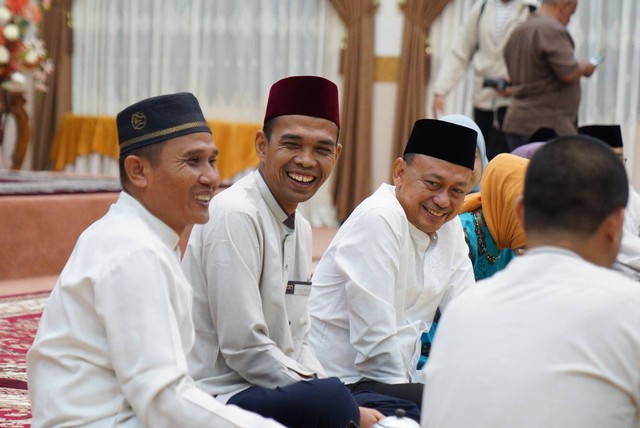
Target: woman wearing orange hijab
[{"x": 491, "y": 229}]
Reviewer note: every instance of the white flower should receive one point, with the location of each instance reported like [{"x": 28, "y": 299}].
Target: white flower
[
  {"x": 31, "y": 57},
  {"x": 5, "y": 15},
  {"x": 18, "y": 80},
  {"x": 5, "y": 55},
  {"x": 11, "y": 32}
]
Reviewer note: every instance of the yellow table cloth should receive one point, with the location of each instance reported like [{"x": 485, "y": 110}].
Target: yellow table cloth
[{"x": 85, "y": 135}]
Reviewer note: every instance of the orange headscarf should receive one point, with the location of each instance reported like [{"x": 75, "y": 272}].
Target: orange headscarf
[{"x": 502, "y": 182}]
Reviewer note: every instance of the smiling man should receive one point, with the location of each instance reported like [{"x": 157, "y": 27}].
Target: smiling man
[
  {"x": 250, "y": 267},
  {"x": 396, "y": 259},
  {"x": 112, "y": 342}
]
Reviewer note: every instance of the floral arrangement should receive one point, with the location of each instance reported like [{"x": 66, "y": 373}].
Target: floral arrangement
[{"x": 21, "y": 51}]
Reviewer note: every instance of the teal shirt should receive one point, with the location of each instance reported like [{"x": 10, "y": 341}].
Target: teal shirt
[{"x": 485, "y": 256}]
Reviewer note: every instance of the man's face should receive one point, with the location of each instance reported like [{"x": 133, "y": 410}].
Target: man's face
[
  {"x": 181, "y": 185},
  {"x": 430, "y": 190},
  {"x": 299, "y": 158}
]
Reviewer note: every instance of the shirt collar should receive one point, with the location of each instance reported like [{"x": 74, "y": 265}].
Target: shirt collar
[
  {"x": 272, "y": 203},
  {"x": 166, "y": 234}
]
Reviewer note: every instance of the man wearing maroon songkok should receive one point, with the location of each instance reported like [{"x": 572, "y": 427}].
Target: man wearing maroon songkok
[
  {"x": 250, "y": 267},
  {"x": 396, "y": 259}
]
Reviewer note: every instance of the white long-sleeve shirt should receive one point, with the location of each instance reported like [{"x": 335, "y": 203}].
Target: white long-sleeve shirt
[
  {"x": 377, "y": 288},
  {"x": 112, "y": 342},
  {"x": 550, "y": 341},
  {"x": 248, "y": 266}
]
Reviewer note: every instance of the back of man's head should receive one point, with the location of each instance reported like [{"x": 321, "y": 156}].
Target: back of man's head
[{"x": 572, "y": 184}]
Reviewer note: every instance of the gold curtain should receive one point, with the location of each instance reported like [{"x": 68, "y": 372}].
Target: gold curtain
[
  {"x": 352, "y": 178},
  {"x": 50, "y": 107},
  {"x": 415, "y": 67}
]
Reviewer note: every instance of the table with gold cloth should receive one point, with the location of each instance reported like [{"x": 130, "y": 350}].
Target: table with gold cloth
[{"x": 86, "y": 135}]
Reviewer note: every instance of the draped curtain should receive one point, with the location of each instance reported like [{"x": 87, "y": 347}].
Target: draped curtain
[
  {"x": 228, "y": 53},
  {"x": 50, "y": 106},
  {"x": 352, "y": 175},
  {"x": 610, "y": 96},
  {"x": 415, "y": 67}
]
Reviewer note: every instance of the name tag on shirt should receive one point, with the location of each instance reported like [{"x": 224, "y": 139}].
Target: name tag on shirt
[{"x": 298, "y": 288}]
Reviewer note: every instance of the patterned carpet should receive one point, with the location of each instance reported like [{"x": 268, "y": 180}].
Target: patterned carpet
[{"x": 19, "y": 317}]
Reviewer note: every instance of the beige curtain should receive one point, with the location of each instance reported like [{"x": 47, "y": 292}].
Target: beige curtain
[
  {"x": 49, "y": 107},
  {"x": 352, "y": 174},
  {"x": 415, "y": 67}
]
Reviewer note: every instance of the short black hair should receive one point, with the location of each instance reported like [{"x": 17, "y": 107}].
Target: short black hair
[
  {"x": 150, "y": 152},
  {"x": 572, "y": 184}
]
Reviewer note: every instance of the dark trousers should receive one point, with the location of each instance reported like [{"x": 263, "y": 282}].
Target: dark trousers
[
  {"x": 319, "y": 403},
  {"x": 315, "y": 403},
  {"x": 407, "y": 392},
  {"x": 494, "y": 138}
]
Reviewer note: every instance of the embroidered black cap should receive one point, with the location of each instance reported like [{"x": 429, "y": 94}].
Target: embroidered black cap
[
  {"x": 157, "y": 119},
  {"x": 443, "y": 140}
]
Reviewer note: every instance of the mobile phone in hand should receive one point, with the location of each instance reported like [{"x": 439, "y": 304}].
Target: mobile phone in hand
[{"x": 596, "y": 60}]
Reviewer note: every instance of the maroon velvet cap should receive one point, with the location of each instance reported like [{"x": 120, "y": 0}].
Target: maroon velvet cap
[{"x": 304, "y": 95}]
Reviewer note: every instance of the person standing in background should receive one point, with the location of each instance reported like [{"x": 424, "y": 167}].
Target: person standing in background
[
  {"x": 480, "y": 43},
  {"x": 545, "y": 75}
]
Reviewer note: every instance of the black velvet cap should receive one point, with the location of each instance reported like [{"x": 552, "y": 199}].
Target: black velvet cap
[
  {"x": 610, "y": 134},
  {"x": 543, "y": 135},
  {"x": 443, "y": 140},
  {"x": 157, "y": 119}
]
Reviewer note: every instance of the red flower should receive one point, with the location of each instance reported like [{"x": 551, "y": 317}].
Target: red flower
[{"x": 17, "y": 6}]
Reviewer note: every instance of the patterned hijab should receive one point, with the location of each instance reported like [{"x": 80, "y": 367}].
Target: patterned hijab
[{"x": 502, "y": 182}]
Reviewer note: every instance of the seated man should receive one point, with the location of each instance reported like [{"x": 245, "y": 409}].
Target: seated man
[
  {"x": 552, "y": 340},
  {"x": 250, "y": 268},
  {"x": 396, "y": 259},
  {"x": 628, "y": 260},
  {"x": 111, "y": 344}
]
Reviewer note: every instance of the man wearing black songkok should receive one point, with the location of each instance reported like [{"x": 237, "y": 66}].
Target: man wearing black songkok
[{"x": 396, "y": 259}]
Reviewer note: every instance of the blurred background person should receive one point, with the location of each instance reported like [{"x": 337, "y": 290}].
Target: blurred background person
[
  {"x": 479, "y": 44},
  {"x": 545, "y": 75},
  {"x": 628, "y": 260}
]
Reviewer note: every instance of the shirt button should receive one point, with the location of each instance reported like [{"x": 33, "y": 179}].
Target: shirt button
[{"x": 286, "y": 267}]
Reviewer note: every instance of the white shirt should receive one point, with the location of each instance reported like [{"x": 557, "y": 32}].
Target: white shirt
[
  {"x": 551, "y": 341},
  {"x": 377, "y": 288},
  {"x": 110, "y": 348},
  {"x": 249, "y": 329},
  {"x": 628, "y": 261}
]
